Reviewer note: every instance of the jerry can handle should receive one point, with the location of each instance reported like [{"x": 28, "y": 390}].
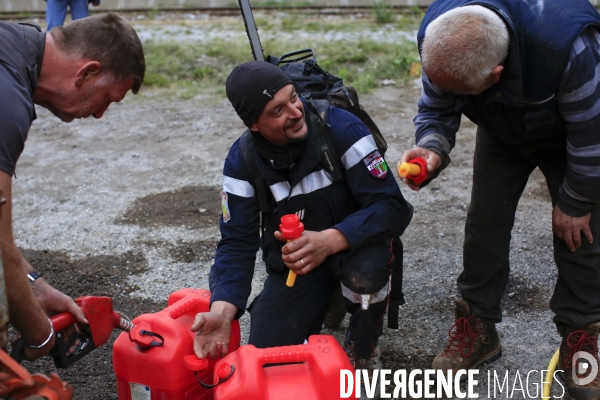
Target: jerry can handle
[
  {"x": 193, "y": 305},
  {"x": 283, "y": 354}
]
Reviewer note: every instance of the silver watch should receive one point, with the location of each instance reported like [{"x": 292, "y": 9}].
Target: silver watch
[{"x": 33, "y": 276}]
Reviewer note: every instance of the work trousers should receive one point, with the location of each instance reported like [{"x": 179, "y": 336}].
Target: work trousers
[
  {"x": 500, "y": 173},
  {"x": 56, "y": 11},
  {"x": 282, "y": 315}
]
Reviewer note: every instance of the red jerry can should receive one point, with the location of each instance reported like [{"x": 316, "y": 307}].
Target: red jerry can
[
  {"x": 149, "y": 370},
  {"x": 308, "y": 371}
]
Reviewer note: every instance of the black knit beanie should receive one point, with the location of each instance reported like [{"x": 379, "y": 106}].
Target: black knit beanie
[{"x": 251, "y": 85}]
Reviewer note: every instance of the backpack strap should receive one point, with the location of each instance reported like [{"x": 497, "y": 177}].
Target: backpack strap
[
  {"x": 317, "y": 117},
  {"x": 249, "y": 156},
  {"x": 396, "y": 297}
]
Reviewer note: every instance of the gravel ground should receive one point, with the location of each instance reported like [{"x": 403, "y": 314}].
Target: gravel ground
[{"x": 128, "y": 207}]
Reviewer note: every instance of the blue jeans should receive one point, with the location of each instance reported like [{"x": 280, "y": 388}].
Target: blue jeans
[{"x": 56, "y": 11}]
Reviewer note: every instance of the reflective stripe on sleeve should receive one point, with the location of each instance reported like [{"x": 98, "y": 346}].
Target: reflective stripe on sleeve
[
  {"x": 237, "y": 187},
  {"x": 358, "y": 151}
]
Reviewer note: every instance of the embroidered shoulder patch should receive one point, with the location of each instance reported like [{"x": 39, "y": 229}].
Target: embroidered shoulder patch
[
  {"x": 225, "y": 206},
  {"x": 376, "y": 165}
]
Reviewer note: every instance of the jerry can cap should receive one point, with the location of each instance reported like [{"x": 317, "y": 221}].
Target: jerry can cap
[
  {"x": 194, "y": 363},
  {"x": 143, "y": 337},
  {"x": 224, "y": 371}
]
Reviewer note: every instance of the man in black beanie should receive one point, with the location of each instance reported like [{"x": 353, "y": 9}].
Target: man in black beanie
[{"x": 349, "y": 224}]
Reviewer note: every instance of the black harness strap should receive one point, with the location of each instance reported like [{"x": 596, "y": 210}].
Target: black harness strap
[
  {"x": 249, "y": 155},
  {"x": 317, "y": 117}
]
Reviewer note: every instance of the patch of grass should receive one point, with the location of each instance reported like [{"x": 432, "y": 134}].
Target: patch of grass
[
  {"x": 410, "y": 20},
  {"x": 383, "y": 12},
  {"x": 207, "y": 64},
  {"x": 201, "y": 66},
  {"x": 296, "y": 21},
  {"x": 156, "y": 80},
  {"x": 153, "y": 12}
]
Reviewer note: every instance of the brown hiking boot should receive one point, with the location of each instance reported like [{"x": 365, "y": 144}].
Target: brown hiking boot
[
  {"x": 473, "y": 341},
  {"x": 575, "y": 340}
]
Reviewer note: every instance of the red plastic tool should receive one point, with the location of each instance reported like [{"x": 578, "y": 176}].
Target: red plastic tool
[
  {"x": 291, "y": 228},
  {"x": 415, "y": 170}
]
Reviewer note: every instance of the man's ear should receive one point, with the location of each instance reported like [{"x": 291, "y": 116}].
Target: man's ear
[
  {"x": 254, "y": 128},
  {"x": 496, "y": 73},
  {"x": 90, "y": 69}
]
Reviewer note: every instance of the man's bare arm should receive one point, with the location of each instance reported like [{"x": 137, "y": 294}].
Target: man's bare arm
[{"x": 29, "y": 304}]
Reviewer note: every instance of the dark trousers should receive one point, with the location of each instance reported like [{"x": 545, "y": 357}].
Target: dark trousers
[
  {"x": 500, "y": 173},
  {"x": 282, "y": 316}
]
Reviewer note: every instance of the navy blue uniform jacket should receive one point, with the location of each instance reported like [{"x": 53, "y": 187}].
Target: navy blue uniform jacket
[{"x": 367, "y": 206}]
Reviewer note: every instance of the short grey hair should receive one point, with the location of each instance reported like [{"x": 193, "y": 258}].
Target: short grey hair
[{"x": 466, "y": 43}]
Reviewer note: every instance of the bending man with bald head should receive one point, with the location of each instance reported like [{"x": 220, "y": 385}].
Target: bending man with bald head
[{"x": 526, "y": 74}]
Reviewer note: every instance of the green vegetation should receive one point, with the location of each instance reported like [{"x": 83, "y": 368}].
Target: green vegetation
[
  {"x": 410, "y": 20},
  {"x": 205, "y": 65},
  {"x": 383, "y": 12}
]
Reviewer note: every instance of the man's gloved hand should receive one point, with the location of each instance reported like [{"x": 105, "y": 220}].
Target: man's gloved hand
[
  {"x": 569, "y": 228},
  {"x": 311, "y": 249},
  {"x": 434, "y": 162}
]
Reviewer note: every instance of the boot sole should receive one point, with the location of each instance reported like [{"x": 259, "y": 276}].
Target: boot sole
[{"x": 489, "y": 358}]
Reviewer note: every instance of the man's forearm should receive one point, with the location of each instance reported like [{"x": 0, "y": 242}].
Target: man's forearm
[
  {"x": 24, "y": 311},
  {"x": 225, "y": 309},
  {"x": 336, "y": 241}
]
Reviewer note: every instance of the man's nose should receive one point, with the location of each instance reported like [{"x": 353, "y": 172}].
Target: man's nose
[{"x": 295, "y": 111}]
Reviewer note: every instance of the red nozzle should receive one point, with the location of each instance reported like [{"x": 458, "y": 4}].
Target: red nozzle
[
  {"x": 291, "y": 228},
  {"x": 414, "y": 170}
]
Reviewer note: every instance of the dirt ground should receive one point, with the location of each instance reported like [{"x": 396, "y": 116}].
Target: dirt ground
[{"x": 128, "y": 207}]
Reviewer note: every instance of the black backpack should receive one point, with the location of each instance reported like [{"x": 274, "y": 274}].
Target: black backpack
[{"x": 312, "y": 82}]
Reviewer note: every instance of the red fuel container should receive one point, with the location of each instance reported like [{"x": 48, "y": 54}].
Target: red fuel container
[
  {"x": 158, "y": 372},
  {"x": 303, "y": 372}
]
